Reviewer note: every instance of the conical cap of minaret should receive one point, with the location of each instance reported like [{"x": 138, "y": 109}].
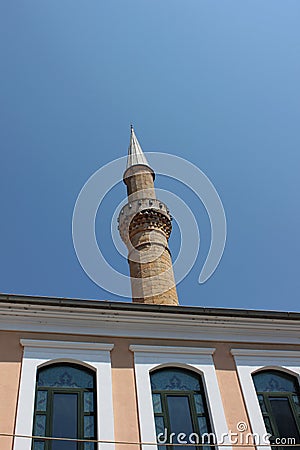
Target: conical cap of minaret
[
  {"x": 138, "y": 175},
  {"x": 135, "y": 153}
]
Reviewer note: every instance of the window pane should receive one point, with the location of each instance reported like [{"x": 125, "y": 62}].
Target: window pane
[
  {"x": 284, "y": 417},
  {"x": 64, "y": 420},
  {"x": 160, "y": 429},
  {"x": 180, "y": 417},
  {"x": 89, "y": 429},
  {"x": 262, "y": 403},
  {"x": 156, "y": 403},
  {"x": 40, "y": 425},
  {"x": 203, "y": 428},
  {"x": 160, "y": 426},
  {"x": 41, "y": 400},
  {"x": 274, "y": 381},
  {"x": 89, "y": 446},
  {"x": 296, "y": 400},
  {"x": 38, "y": 445},
  {"x": 65, "y": 376},
  {"x": 202, "y": 425},
  {"x": 175, "y": 380},
  {"x": 88, "y": 400},
  {"x": 199, "y": 404},
  {"x": 268, "y": 425},
  {"x": 180, "y": 409}
]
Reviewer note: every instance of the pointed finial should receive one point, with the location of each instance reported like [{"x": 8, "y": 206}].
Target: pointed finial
[{"x": 135, "y": 152}]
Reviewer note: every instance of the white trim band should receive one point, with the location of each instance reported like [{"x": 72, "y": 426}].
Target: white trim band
[
  {"x": 39, "y": 352},
  {"x": 145, "y": 324},
  {"x": 66, "y": 344},
  {"x": 249, "y": 361},
  {"x": 147, "y": 358},
  {"x": 174, "y": 350},
  {"x": 265, "y": 353}
]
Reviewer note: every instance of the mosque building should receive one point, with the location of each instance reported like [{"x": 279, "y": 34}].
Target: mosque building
[{"x": 143, "y": 375}]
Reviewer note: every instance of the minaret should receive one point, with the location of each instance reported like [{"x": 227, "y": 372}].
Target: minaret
[{"x": 145, "y": 227}]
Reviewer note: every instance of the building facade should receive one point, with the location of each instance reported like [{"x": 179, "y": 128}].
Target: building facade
[
  {"x": 123, "y": 344},
  {"x": 87, "y": 375}
]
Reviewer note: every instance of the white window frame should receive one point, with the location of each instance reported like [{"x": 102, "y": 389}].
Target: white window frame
[
  {"x": 42, "y": 352},
  {"x": 249, "y": 361},
  {"x": 147, "y": 358}
]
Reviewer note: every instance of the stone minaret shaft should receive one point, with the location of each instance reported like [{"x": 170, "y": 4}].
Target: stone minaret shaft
[{"x": 145, "y": 227}]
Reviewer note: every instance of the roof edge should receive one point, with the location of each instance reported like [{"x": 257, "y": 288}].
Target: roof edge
[{"x": 140, "y": 307}]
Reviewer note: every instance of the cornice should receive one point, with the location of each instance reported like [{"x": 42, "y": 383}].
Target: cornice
[
  {"x": 246, "y": 352},
  {"x": 11, "y": 299},
  {"x": 40, "y": 343},
  {"x": 168, "y": 349},
  {"x": 49, "y": 318}
]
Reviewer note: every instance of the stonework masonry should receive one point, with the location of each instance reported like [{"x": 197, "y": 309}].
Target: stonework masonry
[{"x": 145, "y": 227}]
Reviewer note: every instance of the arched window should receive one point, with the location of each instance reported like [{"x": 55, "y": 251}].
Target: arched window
[
  {"x": 179, "y": 406},
  {"x": 65, "y": 406},
  {"x": 279, "y": 398}
]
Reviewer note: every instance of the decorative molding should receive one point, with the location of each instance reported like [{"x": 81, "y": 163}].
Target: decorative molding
[
  {"x": 265, "y": 353},
  {"x": 39, "y": 352},
  {"x": 148, "y": 358},
  {"x": 66, "y": 345},
  {"x": 172, "y": 350},
  {"x": 249, "y": 361},
  {"x": 146, "y": 324}
]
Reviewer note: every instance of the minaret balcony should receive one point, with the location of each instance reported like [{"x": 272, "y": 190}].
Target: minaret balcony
[{"x": 147, "y": 213}]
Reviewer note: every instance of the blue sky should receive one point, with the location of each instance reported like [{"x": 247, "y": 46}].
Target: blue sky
[{"x": 214, "y": 82}]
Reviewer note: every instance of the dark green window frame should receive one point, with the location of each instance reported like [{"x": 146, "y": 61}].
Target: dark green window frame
[
  {"x": 269, "y": 393},
  {"x": 50, "y": 391},
  {"x": 191, "y": 395}
]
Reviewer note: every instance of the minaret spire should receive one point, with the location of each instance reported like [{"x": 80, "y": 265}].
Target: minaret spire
[
  {"x": 145, "y": 227},
  {"x": 135, "y": 152}
]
